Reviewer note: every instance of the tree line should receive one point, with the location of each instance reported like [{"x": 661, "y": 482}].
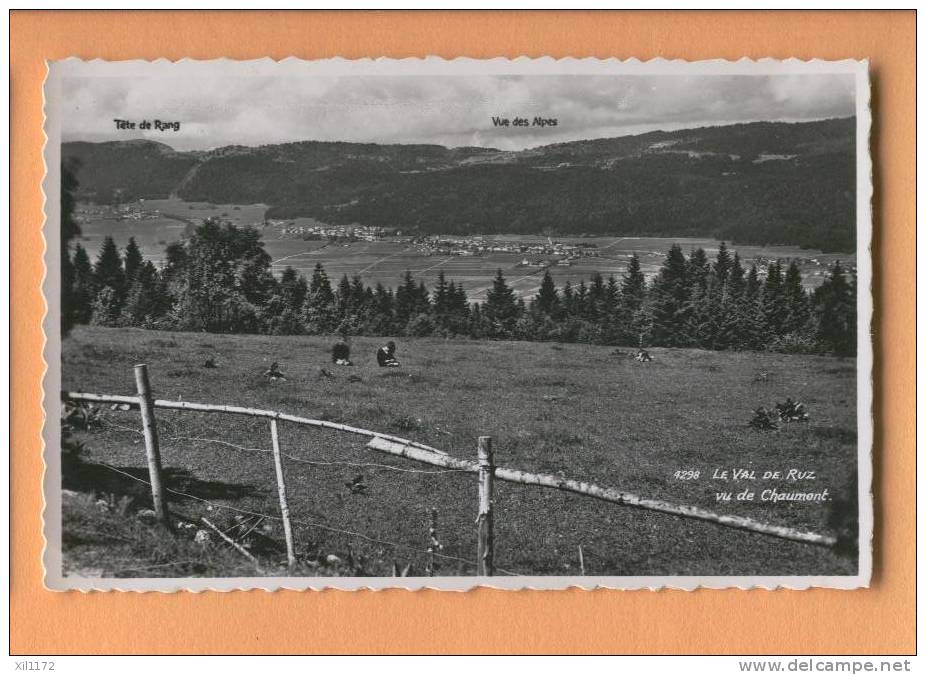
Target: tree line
[{"x": 219, "y": 279}]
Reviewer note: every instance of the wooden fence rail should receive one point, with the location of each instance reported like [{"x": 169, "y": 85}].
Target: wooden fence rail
[
  {"x": 484, "y": 467},
  {"x": 250, "y": 412}
]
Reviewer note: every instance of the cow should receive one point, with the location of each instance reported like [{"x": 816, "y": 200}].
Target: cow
[{"x": 385, "y": 356}]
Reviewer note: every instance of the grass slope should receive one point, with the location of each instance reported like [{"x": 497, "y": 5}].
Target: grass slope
[{"x": 576, "y": 410}]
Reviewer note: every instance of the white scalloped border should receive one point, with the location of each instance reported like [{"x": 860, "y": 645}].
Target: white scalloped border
[{"x": 462, "y": 66}]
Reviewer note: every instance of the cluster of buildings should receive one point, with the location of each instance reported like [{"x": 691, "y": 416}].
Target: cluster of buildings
[
  {"x": 321, "y": 231},
  {"x": 132, "y": 211},
  {"x": 536, "y": 254}
]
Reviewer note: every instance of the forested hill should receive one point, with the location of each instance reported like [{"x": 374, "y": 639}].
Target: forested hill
[{"x": 762, "y": 183}]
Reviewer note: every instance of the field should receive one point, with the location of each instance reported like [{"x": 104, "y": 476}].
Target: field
[
  {"x": 579, "y": 411},
  {"x": 387, "y": 260}
]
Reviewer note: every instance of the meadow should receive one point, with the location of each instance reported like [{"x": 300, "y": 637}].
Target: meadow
[
  {"x": 580, "y": 411},
  {"x": 385, "y": 261}
]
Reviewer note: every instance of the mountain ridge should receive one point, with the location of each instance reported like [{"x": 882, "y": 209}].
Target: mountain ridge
[{"x": 758, "y": 182}]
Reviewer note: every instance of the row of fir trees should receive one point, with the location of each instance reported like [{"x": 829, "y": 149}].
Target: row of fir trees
[{"x": 219, "y": 279}]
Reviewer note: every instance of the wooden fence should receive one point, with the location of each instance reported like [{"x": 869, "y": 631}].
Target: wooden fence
[{"x": 484, "y": 467}]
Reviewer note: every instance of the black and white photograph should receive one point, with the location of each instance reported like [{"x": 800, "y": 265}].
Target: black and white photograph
[{"x": 420, "y": 323}]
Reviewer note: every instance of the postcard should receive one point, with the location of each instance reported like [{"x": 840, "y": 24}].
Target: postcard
[{"x": 420, "y": 323}]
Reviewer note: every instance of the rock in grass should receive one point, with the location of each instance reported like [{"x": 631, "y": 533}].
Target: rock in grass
[
  {"x": 332, "y": 559},
  {"x": 146, "y": 515}
]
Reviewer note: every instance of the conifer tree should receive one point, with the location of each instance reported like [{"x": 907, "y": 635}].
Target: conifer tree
[
  {"x": 320, "y": 303},
  {"x": 293, "y": 289},
  {"x": 753, "y": 289},
  {"x": 422, "y": 299},
  {"x": 361, "y": 305},
  {"x": 458, "y": 309},
  {"x": 749, "y": 331},
  {"x": 706, "y": 317},
  {"x": 84, "y": 286},
  {"x": 835, "y": 312},
  {"x": 343, "y": 295},
  {"x": 501, "y": 308},
  {"x": 612, "y": 296},
  {"x": 723, "y": 264},
  {"x": 774, "y": 304},
  {"x": 145, "y": 302},
  {"x": 581, "y": 300},
  {"x": 68, "y": 230},
  {"x": 547, "y": 300},
  {"x": 757, "y": 332},
  {"x": 633, "y": 286},
  {"x": 320, "y": 286},
  {"x": 670, "y": 300},
  {"x": 441, "y": 297},
  {"x": 736, "y": 279},
  {"x": 612, "y": 321},
  {"x": 797, "y": 309},
  {"x": 631, "y": 305},
  {"x": 108, "y": 269},
  {"x": 479, "y": 326},
  {"x": 383, "y": 319},
  {"x": 406, "y": 299},
  {"x": 568, "y": 302},
  {"x": 596, "y": 310},
  {"x": 698, "y": 267},
  {"x": 253, "y": 280},
  {"x": 132, "y": 261}
]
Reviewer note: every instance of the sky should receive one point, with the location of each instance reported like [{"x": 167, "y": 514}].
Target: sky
[{"x": 450, "y": 111}]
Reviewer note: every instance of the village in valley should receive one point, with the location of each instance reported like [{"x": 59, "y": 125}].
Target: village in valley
[{"x": 383, "y": 254}]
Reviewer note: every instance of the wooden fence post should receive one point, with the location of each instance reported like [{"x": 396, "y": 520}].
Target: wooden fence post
[
  {"x": 281, "y": 488},
  {"x": 152, "y": 450},
  {"x": 485, "y": 550}
]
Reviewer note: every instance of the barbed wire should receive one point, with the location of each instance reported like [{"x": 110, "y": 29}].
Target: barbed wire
[
  {"x": 307, "y": 523},
  {"x": 318, "y": 462},
  {"x": 371, "y": 465},
  {"x": 108, "y": 421}
]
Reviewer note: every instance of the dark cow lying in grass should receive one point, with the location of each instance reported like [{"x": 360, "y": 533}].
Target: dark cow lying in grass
[
  {"x": 764, "y": 419},
  {"x": 789, "y": 411},
  {"x": 385, "y": 356},
  {"x": 274, "y": 374},
  {"x": 340, "y": 354}
]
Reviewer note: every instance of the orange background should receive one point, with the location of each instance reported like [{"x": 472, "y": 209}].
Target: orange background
[{"x": 878, "y": 620}]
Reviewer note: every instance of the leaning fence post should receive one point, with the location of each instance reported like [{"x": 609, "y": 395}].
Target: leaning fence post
[
  {"x": 149, "y": 424},
  {"x": 485, "y": 550},
  {"x": 281, "y": 488}
]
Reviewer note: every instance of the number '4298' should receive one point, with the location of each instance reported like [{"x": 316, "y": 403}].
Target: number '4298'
[{"x": 687, "y": 474}]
